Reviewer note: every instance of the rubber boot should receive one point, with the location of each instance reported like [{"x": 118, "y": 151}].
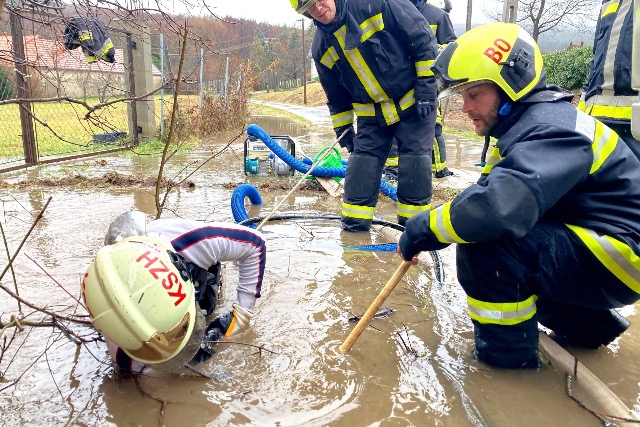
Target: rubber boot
[
  {"x": 443, "y": 173},
  {"x": 585, "y": 327}
]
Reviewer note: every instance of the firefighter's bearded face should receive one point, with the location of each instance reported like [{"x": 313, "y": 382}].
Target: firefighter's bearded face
[{"x": 481, "y": 104}]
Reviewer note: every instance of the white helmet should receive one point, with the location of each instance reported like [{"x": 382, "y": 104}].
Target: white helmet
[
  {"x": 140, "y": 297},
  {"x": 132, "y": 223}
]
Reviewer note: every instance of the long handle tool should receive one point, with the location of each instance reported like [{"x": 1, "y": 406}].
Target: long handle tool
[{"x": 377, "y": 303}]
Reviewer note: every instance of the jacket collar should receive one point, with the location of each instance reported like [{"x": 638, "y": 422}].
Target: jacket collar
[{"x": 354, "y": 32}]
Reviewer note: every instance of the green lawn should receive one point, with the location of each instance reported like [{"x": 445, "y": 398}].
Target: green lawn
[{"x": 63, "y": 128}]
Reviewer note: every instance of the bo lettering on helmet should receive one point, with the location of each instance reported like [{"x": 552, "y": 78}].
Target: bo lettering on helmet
[{"x": 496, "y": 53}]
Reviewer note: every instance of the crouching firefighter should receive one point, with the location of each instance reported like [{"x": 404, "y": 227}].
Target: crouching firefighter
[
  {"x": 550, "y": 234},
  {"x": 152, "y": 291}
]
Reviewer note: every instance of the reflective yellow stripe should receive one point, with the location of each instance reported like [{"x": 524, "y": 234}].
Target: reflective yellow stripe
[
  {"x": 106, "y": 48},
  {"x": 371, "y": 26},
  {"x": 84, "y": 36},
  {"x": 329, "y": 58},
  {"x": 423, "y": 68},
  {"x": 389, "y": 111},
  {"x": 434, "y": 27},
  {"x": 611, "y": 111},
  {"x": 387, "y": 107},
  {"x": 362, "y": 70},
  {"x": 437, "y": 163},
  {"x": 609, "y": 8},
  {"x": 342, "y": 119},
  {"x": 356, "y": 211},
  {"x": 440, "y": 225},
  {"x": 615, "y": 255},
  {"x": 391, "y": 161},
  {"x": 365, "y": 110},
  {"x": 582, "y": 106},
  {"x": 502, "y": 313},
  {"x": 494, "y": 158},
  {"x": 407, "y": 100},
  {"x": 409, "y": 211},
  {"x": 604, "y": 142}
]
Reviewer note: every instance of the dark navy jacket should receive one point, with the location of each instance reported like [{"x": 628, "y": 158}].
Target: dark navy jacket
[
  {"x": 553, "y": 163},
  {"x": 371, "y": 60},
  {"x": 608, "y": 94}
]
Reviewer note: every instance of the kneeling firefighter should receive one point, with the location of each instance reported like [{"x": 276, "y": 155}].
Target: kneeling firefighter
[
  {"x": 152, "y": 289},
  {"x": 550, "y": 234}
]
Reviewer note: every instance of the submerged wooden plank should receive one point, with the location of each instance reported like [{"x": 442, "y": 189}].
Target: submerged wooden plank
[{"x": 331, "y": 186}]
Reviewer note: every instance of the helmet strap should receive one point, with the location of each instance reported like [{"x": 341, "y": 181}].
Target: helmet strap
[
  {"x": 180, "y": 264},
  {"x": 505, "y": 109},
  {"x": 505, "y": 104}
]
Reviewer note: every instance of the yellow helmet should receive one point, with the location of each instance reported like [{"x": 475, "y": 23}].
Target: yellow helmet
[
  {"x": 140, "y": 297},
  {"x": 498, "y": 52},
  {"x": 301, "y": 6}
]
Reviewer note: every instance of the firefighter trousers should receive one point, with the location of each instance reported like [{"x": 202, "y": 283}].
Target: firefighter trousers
[
  {"x": 364, "y": 169},
  {"x": 546, "y": 276}
]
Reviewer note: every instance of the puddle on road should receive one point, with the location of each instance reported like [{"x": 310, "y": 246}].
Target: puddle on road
[{"x": 414, "y": 368}]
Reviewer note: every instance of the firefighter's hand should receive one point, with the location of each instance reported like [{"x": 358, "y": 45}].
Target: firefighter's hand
[
  {"x": 225, "y": 325},
  {"x": 347, "y": 139},
  {"x": 413, "y": 260},
  {"x": 426, "y": 107},
  {"x": 231, "y": 323}
]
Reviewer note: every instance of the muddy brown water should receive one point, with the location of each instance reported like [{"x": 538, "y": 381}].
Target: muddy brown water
[{"x": 414, "y": 368}]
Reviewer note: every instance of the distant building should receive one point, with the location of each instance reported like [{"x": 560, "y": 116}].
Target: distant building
[{"x": 55, "y": 71}]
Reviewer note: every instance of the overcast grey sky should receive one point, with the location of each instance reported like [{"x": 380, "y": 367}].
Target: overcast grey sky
[{"x": 281, "y": 12}]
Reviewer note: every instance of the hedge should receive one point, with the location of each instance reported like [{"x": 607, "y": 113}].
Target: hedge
[{"x": 568, "y": 69}]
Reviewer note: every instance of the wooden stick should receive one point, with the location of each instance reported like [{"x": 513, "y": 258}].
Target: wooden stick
[
  {"x": 377, "y": 303},
  {"x": 562, "y": 360}
]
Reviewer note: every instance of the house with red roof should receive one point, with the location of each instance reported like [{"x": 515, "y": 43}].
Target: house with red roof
[{"x": 56, "y": 71}]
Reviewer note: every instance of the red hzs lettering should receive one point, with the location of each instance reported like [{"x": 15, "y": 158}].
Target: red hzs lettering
[
  {"x": 168, "y": 281},
  {"x": 496, "y": 54}
]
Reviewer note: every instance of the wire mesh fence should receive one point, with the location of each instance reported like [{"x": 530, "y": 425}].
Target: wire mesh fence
[{"x": 55, "y": 103}]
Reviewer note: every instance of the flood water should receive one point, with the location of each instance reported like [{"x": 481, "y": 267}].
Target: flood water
[{"x": 411, "y": 369}]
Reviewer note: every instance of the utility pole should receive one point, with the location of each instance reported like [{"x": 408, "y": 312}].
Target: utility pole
[
  {"x": 469, "y": 9},
  {"x": 304, "y": 65},
  {"x": 510, "y": 11}
]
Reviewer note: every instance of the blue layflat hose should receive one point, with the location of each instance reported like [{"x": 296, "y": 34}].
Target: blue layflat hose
[
  {"x": 241, "y": 217},
  {"x": 302, "y": 166},
  {"x": 237, "y": 201}
]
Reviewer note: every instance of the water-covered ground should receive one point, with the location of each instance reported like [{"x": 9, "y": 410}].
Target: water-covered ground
[{"x": 412, "y": 368}]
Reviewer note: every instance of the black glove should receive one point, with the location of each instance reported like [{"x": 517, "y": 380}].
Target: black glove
[
  {"x": 220, "y": 328},
  {"x": 406, "y": 247},
  {"x": 426, "y": 107},
  {"x": 214, "y": 332},
  {"x": 347, "y": 139}
]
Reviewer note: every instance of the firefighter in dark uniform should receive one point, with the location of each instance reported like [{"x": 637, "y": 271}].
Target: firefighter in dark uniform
[
  {"x": 442, "y": 27},
  {"x": 551, "y": 231},
  {"x": 374, "y": 59},
  {"x": 607, "y": 95}
]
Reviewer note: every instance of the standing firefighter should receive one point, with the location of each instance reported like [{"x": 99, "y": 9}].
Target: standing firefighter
[
  {"x": 373, "y": 59},
  {"x": 551, "y": 231},
  {"x": 152, "y": 288},
  {"x": 607, "y": 95}
]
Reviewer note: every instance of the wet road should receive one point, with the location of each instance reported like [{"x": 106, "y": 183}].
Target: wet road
[{"x": 414, "y": 368}]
